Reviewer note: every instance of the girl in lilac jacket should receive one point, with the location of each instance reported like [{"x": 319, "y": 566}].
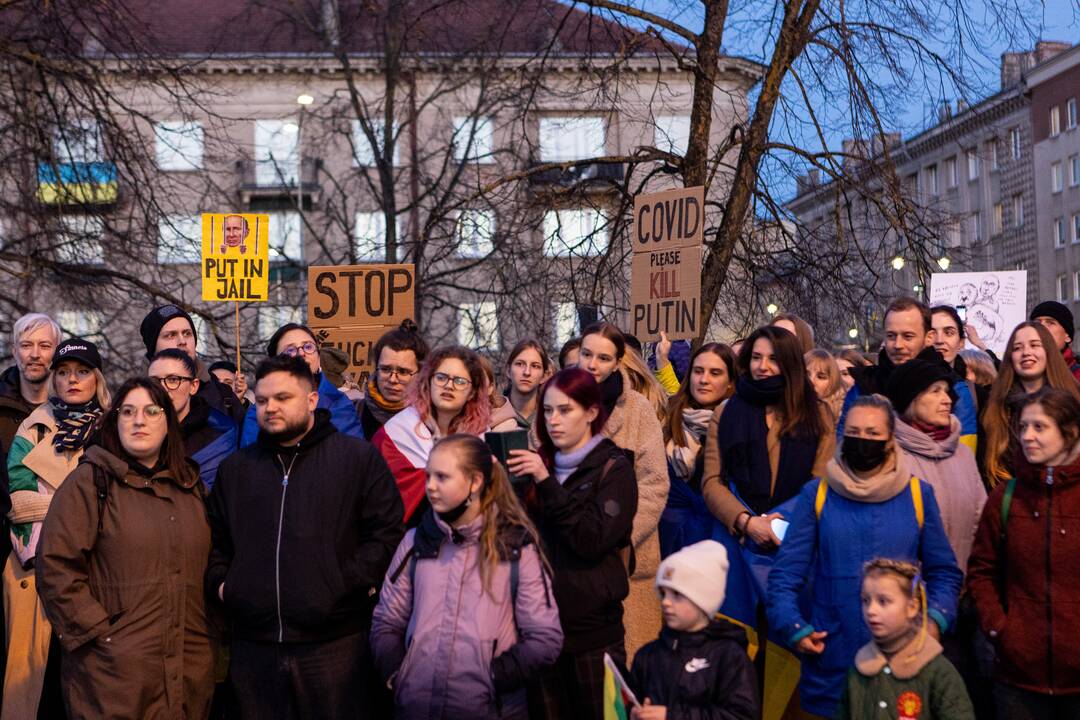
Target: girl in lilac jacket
[{"x": 466, "y": 615}]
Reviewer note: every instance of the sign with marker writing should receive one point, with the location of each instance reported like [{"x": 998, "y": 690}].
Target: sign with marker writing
[
  {"x": 665, "y": 287},
  {"x": 235, "y": 257},
  {"x": 358, "y": 343},
  {"x": 360, "y": 295}
]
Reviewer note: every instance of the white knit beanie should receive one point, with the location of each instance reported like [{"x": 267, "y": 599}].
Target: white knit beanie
[{"x": 699, "y": 572}]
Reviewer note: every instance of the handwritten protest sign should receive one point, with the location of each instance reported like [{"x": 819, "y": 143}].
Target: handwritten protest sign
[
  {"x": 235, "y": 257},
  {"x": 665, "y": 271},
  {"x": 358, "y": 343},
  {"x": 991, "y": 302}
]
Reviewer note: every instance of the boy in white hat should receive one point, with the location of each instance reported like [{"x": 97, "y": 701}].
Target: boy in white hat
[{"x": 699, "y": 663}]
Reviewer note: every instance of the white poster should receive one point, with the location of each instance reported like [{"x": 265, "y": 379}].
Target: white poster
[{"x": 994, "y": 302}]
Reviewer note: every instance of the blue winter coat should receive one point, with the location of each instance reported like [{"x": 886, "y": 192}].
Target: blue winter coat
[
  {"x": 829, "y": 553},
  {"x": 342, "y": 414},
  {"x": 211, "y": 455}
]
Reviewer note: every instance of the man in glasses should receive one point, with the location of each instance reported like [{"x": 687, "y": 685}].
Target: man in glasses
[
  {"x": 398, "y": 355},
  {"x": 168, "y": 326},
  {"x": 296, "y": 340}
]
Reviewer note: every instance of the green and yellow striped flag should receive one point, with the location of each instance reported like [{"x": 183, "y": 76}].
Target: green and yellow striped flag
[{"x": 618, "y": 697}]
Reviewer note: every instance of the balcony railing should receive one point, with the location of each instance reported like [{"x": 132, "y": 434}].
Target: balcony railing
[
  {"x": 265, "y": 179},
  {"x": 589, "y": 176},
  {"x": 77, "y": 183}
]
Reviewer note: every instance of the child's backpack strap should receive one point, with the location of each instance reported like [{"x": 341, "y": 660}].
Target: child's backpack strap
[
  {"x": 917, "y": 501},
  {"x": 822, "y": 493}
]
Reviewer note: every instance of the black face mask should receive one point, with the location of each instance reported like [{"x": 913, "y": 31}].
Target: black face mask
[
  {"x": 863, "y": 454},
  {"x": 452, "y": 515}
]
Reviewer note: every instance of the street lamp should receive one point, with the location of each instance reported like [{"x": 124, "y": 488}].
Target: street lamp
[
  {"x": 853, "y": 333},
  {"x": 303, "y": 101},
  {"x": 898, "y": 263},
  {"x": 771, "y": 308},
  {"x": 944, "y": 262}
]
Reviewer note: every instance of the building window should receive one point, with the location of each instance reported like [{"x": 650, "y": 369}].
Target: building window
[
  {"x": 1076, "y": 228},
  {"x": 277, "y": 153},
  {"x": 478, "y": 326},
  {"x": 1076, "y": 285},
  {"x": 79, "y": 240},
  {"x": 1070, "y": 113},
  {"x": 1062, "y": 288},
  {"x": 672, "y": 133},
  {"x": 1055, "y": 120},
  {"x": 363, "y": 153},
  {"x": 999, "y": 218},
  {"x": 566, "y": 323},
  {"x": 284, "y": 236},
  {"x": 575, "y": 232},
  {"x": 178, "y": 145},
  {"x": 950, "y": 172},
  {"x": 1059, "y": 232},
  {"x": 1074, "y": 170},
  {"x": 179, "y": 239},
  {"x": 475, "y": 233},
  {"x": 1057, "y": 177},
  {"x": 973, "y": 164},
  {"x": 474, "y": 139},
  {"x": 976, "y": 226},
  {"x": 571, "y": 138},
  {"x": 1014, "y": 143},
  {"x": 952, "y": 233},
  {"x": 78, "y": 141},
  {"x": 369, "y": 236},
  {"x": 1018, "y": 210},
  {"x": 271, "y": 317},
  {"x": 992, "y": 153},
  {"x": 85, "y": 324},
  {"x": 932, "y": 180}
]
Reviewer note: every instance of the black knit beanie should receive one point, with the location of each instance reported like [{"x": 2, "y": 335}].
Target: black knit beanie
[
  {"x": 907, "y": 381},
  {"x": 1059, "y": 312},
  {"x": 155, "y": 320}
]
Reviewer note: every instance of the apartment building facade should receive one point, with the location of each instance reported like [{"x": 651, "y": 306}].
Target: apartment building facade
[{"x": 504, "y": 248}]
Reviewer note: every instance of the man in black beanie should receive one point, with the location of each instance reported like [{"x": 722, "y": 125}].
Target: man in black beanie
[
  {"x": 168, "y": 326},
  {"x": 1058, "y": 320}
]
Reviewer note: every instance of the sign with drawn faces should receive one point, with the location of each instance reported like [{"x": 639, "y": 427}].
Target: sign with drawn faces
[
  {"x": 993, "y": 303},
  {"x": 235, "y": 257}
]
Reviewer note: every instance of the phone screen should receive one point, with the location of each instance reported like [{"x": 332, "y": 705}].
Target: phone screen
[{"x": 961, "y": 310}]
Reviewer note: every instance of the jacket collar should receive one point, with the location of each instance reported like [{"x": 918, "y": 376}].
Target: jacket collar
[
  {"x": 906, "y": 664},
  {"x": 917, "y": 442},
  {"x": 890, "y": 480},
  {"x": 1066, "y": 473},
  {"x": 11, "y": 391},
  {"x": 122, "y": 471}
]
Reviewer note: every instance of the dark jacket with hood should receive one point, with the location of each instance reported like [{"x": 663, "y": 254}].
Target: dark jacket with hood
[
  {"x": 302, "y": 535},
  {"x": 585, "y": 523},
  {"x": 219, "y": 396},
  {"x": 704, "y": 675},
  {"x": 13, "y": 406},
  {"x": 1025, "y": 578},
  {"x": 210, "y": 436}
]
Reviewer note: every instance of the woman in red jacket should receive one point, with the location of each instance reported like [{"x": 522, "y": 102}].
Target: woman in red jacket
[{"x": 1024, "y": 571}]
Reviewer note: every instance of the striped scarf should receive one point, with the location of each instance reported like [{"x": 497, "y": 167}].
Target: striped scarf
[{"x": 73, "y": 423}]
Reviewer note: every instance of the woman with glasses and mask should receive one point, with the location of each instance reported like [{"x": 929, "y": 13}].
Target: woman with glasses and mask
[
  {"x": 47, "y": 447},
  {"x": 209, "y": 434},
  {"x": 296, "y": 340},
  {"x": 120, "y": 568},
  {"x": 450, "y": 396},
  {"x": 398, "y": 355}
]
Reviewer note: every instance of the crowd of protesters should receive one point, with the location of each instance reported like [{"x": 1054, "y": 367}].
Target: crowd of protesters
[{"x": 448, "y": 540}]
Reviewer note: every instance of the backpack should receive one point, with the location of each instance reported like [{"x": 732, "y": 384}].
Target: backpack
[{"x": 916, "y": 499}]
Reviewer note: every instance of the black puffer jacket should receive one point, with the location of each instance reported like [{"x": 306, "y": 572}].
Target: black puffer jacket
[
  {"x": 584, "y": 524},
  {"x": 313, "y": 574},
  {"x": 705, "y": 675}
]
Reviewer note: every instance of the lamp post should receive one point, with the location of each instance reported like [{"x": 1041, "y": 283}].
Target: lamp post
[
  {"x": 303, "y": 101},
  {"x": 771, "y": 308}
]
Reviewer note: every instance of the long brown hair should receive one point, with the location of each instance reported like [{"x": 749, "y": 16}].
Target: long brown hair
[
  {"x": 499, "y": 505},
  {"x": 684, "y": 398},
  {"x": 1000, "y": 428},
  {"x": 801, "y": 410},
  {"x": 172, "y": 453}
]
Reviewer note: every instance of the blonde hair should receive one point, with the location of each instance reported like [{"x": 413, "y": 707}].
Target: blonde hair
[
  {"x": 643, "y": 381},
  {"x": 818, "y": 359},
  {"x": 911, "y": 582},
  {"x": 101, "y": 390},
  {"x": 981, "y": 364}
]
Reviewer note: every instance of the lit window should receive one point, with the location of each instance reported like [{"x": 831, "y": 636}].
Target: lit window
[
  {"x": 976, "y": 226},
  {"x": 272, "y": 317},
  {"x": 563, "y": 139},
  {"x": 973, "y": 164},
  {"x": 179, "y": 239},
  {"x": 86, "y": 324},
  {"x": 284, "y": 236},
  {"x": 575, "y": 232},
  {"x": 932, "y": 180},
  {"x": 473, "y": 139},
  {"x": 363, "y": 153},
  {"x": 478, "y": 326},
  {"x": 1062, "y": 288},
  {"x": 1076, "y": 228},
  {"x": 999, "y": 218},
  {"x": 950, "y": 172},
  {"x": 1018, "y": 210},
  {"x": 277, "y": 153},
  {"x": 1059, "y": 232},
  {"x": 1014, "y": 143},
  {"x": 1074, "y": 170},
  {"x": 1070, "y": 114},
  {"x": 178, "y": 145}
]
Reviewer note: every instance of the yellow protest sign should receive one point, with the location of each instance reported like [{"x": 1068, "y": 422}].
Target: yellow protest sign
[{"x": 235, "y": 257}]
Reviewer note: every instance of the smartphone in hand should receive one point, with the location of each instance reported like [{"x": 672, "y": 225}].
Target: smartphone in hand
[{"x": 501, "y": 443}]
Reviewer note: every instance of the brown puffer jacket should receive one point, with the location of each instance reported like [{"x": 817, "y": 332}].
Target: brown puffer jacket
[{"x": 127, "y": 602}]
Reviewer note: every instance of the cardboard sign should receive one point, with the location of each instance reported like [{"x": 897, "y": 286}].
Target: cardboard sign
[
  {"x": 665, "y": 293},
  {"x": 358, "y": 343},
  {"x": 993, "y": 303},
  {"x": 235, "y": 257},
  {"x": 360, "y": 295},
  {"x": 669, "y": 219}
]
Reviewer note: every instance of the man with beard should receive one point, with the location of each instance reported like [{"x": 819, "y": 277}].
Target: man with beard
[
  {"x": 304, "y": 524},
  {"x": 909, "y": 334}
]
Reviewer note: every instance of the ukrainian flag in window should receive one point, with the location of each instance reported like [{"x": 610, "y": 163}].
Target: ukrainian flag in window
[{"x": 77, "y": 183}]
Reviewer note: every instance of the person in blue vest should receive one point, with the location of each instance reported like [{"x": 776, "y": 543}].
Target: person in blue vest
[
  {"x": 909, "y": 334},
  {"x": 867, "y": 505},
  {"x": 296, "y": 340},
  {"x": 209, "y": 434}
]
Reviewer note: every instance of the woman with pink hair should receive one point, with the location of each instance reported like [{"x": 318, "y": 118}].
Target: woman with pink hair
[{"x": 449, "y": 396}]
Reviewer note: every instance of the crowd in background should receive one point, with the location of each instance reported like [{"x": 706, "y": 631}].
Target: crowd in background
[{"x": 450, "y": 539}]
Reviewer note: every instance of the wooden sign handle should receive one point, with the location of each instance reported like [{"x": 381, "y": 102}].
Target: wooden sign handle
[{"x": 238, "y": 371}]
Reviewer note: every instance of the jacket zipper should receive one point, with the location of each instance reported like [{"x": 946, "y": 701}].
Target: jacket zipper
[
  {"x": 1049, "y": 602},
  {"x": 277, "y": 550}
]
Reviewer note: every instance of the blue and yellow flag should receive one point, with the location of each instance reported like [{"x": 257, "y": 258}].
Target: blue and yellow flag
[{"x": 79, "y": 183}]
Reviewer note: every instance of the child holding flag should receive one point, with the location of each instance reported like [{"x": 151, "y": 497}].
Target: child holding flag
[{"x": 698, "y": 668}]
